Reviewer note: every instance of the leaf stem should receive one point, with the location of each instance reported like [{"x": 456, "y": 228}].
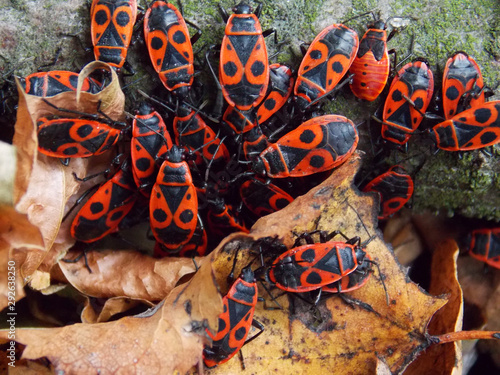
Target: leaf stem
[{"x": 464, "y": 335}]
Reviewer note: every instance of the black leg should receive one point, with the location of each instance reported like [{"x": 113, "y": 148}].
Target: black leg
[{"x": 84, "y": 255}]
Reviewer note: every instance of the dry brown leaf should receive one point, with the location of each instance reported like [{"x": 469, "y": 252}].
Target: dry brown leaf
[
  {"x": 493, "y": 323},
  {"x": 169, "y": 338},
  {"x": 400, "y": 232},
  {"x": 112, "y": 306},
  {"x": 435, "y": 228},
  {"x": 39, "y": 241},
  {"x": 24, "y": 367},
  {"x": 44, "y": 203},
  {"x": 10, "y": 223},
  {"x": 478, "y": 284},
  {"x": 26, "y": 144},
  {"x": 481, "y": 288},
  {"x": 349, "y": 338},
  {"x": 11, "y": 290},
  {"x": 110, "y": 100},
  {"x": 122, "y": 273},
  {"x": 14, "y": 366},
  {"x": 446, "y": 358},
  {"x": 17, "y": 231}
]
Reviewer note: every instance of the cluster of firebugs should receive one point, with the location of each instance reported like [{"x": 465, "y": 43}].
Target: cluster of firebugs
[{"x": 173, "y": 175}]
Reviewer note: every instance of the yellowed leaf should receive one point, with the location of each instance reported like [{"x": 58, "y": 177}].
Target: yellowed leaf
[{"x": 351, "y": 338}]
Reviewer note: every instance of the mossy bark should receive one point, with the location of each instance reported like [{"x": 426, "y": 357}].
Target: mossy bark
[{"x": 33, "y": 31}]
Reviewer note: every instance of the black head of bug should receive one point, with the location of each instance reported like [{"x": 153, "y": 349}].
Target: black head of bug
[{"x": 242, "y": 8}]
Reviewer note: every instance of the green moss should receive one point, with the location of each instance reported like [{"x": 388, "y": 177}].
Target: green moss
[
  {"x": 496, "y": 181},
  {"x": 18, "y": 4},
  {"x": 480, "y": 181},
  {"x": 466, "y": 186},
  {"x": 361, "y": 6},
  {"x": 457, "y": 25}
]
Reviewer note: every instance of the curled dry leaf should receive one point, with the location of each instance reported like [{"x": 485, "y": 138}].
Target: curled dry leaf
[
  {"x": 99, "y": 313},
  {"x": 121, "y": 273},
  {"x": 223, "y": 258},
  {"x": 446, "y": 358},
  {"x": 352, "y": 338},
  {"x": 41, "y": 202},
  {"x": 110, "y": 100},
  {"x": 166, "y": 339}
]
